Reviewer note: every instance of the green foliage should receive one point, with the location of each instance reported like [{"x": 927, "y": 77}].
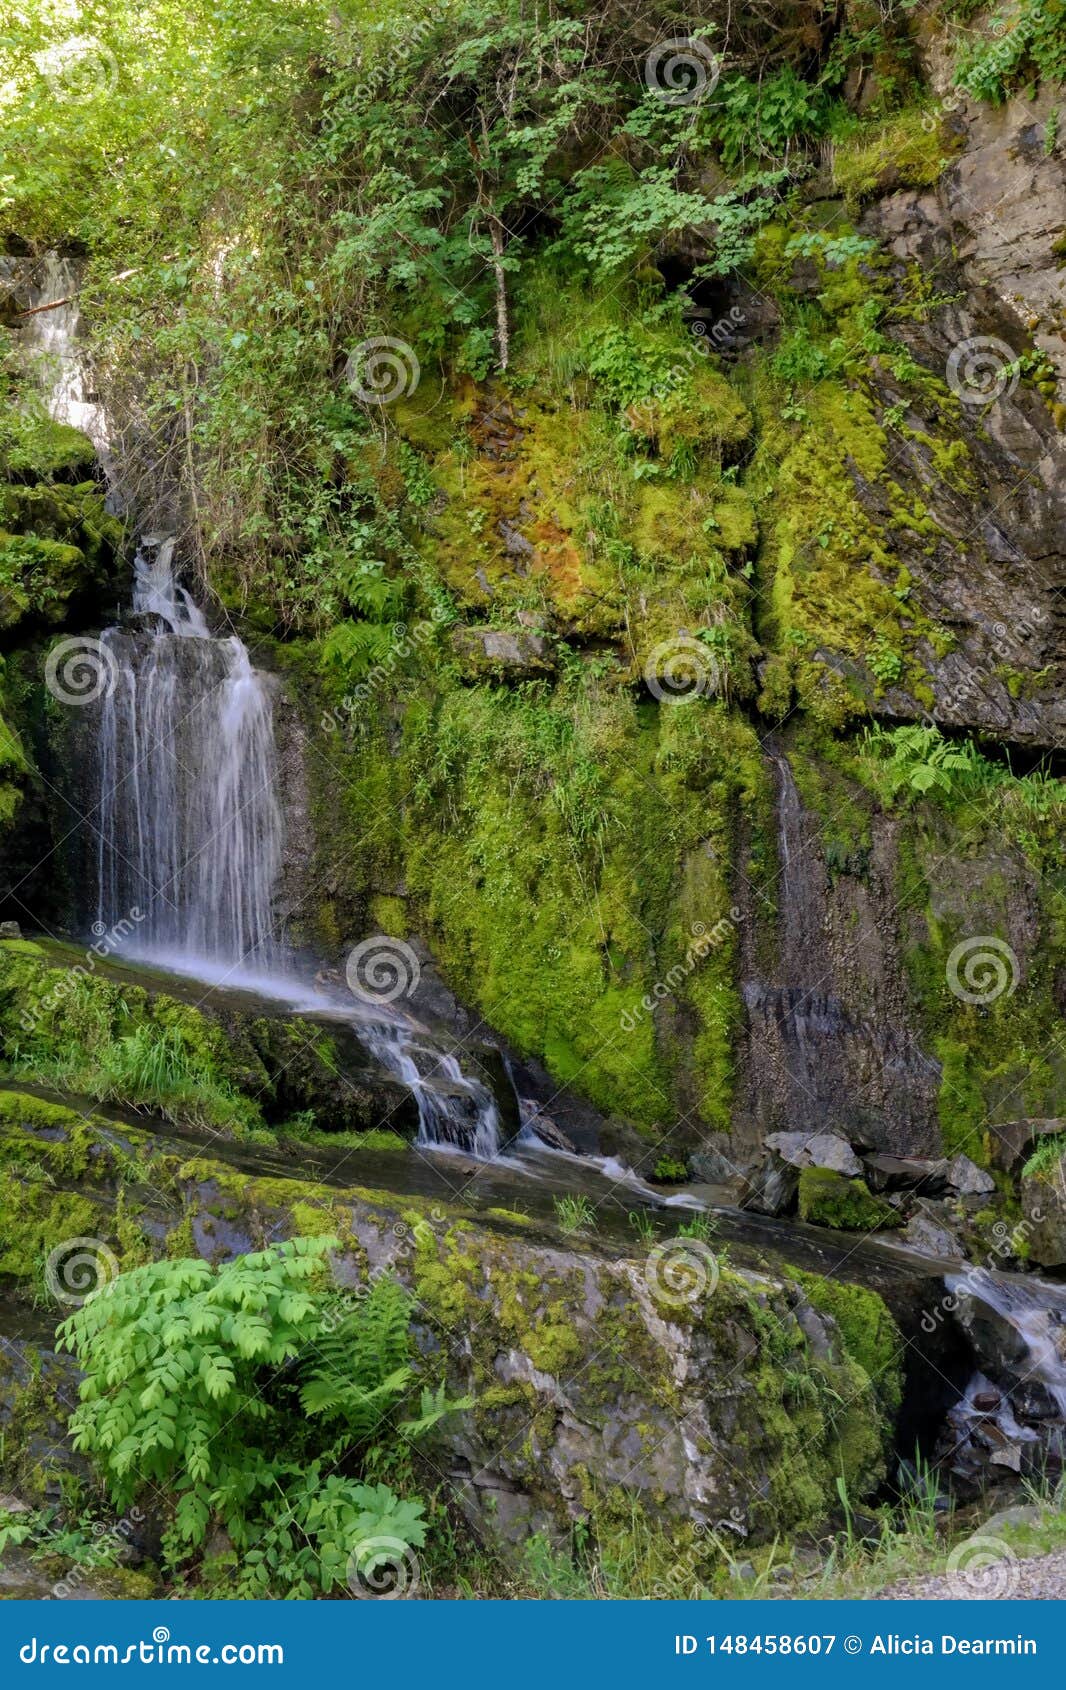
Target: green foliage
[
  {"x": 72, "y": 1028},
  {"x": 574, "y": 1214},
  {"x": 1046, "y": 1158},
  {"x": 916, "y": 760},
  {"x": 240, "y": 1390},
  {"x": 671, "y": 1170},
  {"x": 1020, "y": 45}
]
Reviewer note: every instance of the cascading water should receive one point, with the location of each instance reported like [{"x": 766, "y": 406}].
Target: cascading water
[
  {"x": 191, "y": 834},
  {"x": 1026, "y": 1321},
  {"x": 190, "y": 829}
]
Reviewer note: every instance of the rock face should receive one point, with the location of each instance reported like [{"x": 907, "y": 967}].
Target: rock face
[
  {"x": 989, "y": 232},
  {"x": 1044, "y": 1209},
  {"x": 828, "y": 1038},
  {"x": 1012, "y": 1141},
  {"x": 699, "y": 1393}
]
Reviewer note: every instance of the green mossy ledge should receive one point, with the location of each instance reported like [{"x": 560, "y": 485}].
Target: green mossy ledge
[
  {"x": 590, "y": 1393},
  {"x": 65, "y": 1023}
]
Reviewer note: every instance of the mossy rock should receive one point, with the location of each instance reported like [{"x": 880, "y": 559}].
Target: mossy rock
[{"x": 829, "y": 1199}]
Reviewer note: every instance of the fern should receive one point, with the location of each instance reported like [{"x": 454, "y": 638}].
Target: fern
[{"x": 223, "y": 1385}]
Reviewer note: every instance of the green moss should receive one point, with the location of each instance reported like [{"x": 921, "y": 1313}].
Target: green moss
[
  {"x": 73, "y": 1028},
  {"x": 911, "y": 149},
  {"x": 829, "y": 1199},
  {"x": 567, "y": 855},
  {"x": 867, "y": 1331}
]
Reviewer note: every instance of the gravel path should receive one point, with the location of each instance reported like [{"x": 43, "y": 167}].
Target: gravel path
[{"x": 1039, "y": 1578}]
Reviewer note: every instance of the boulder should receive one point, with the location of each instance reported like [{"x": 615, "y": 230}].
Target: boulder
[
  {"x": 1012, "y": 1140},
  {"x": 968, "y": 1180},
  {"x": 925, "y": 1234},
  {"x": 828, "y": 1199},
  {"x": 1044, "y": 1210},
  {"x": 815, "y": 1150},
  {"x": 598, "y": 1380},
  {"x": 906, "y": 1173}
]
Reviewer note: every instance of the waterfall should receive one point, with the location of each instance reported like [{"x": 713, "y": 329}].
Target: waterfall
[
  {"x": 1020, "y": 1323},
  {"x": 190, "y": 829},
  {"x": 49, "y": 335},
  {"x": 191, "y": 836},
  {"x": 452, "y": 1109}
]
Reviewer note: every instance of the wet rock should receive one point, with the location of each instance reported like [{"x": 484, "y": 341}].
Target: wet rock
[
  {"x": 925, "y": 1234},
  {"x": 545, "y": 1128},
  {"x": 968, "y": 1179},
  {"x": 10, "y": 930},
  {"x": 987, "y": 1401},
  {"x": 325, "y": 1068},
  {"x": 772, "y": 1191}
]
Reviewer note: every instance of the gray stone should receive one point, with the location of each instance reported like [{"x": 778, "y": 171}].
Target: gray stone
[
  {"x": 968, "y": 1179},
  {"x": 923, "y": 1234},
  {"x": 815, "y": 1150},
  {"x": 503, "y": 653},
  {"x": 10, "y": 930},
  {"x": 1044, "y": 1209},
  {"x": 1011, "y": 1140},
  {"x": 906, "y": 1173}
]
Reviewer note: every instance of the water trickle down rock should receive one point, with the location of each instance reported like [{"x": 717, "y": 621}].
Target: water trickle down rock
[{"x": 827, "y": 1048}]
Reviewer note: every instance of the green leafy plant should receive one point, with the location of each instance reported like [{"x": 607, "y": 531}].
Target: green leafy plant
[
  {"x": 256, "y": 1397},
  {"x": 701, "y": 1226}
]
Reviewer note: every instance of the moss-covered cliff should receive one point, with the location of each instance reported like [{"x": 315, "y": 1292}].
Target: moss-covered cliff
[{"x": 598, "y": 464}]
